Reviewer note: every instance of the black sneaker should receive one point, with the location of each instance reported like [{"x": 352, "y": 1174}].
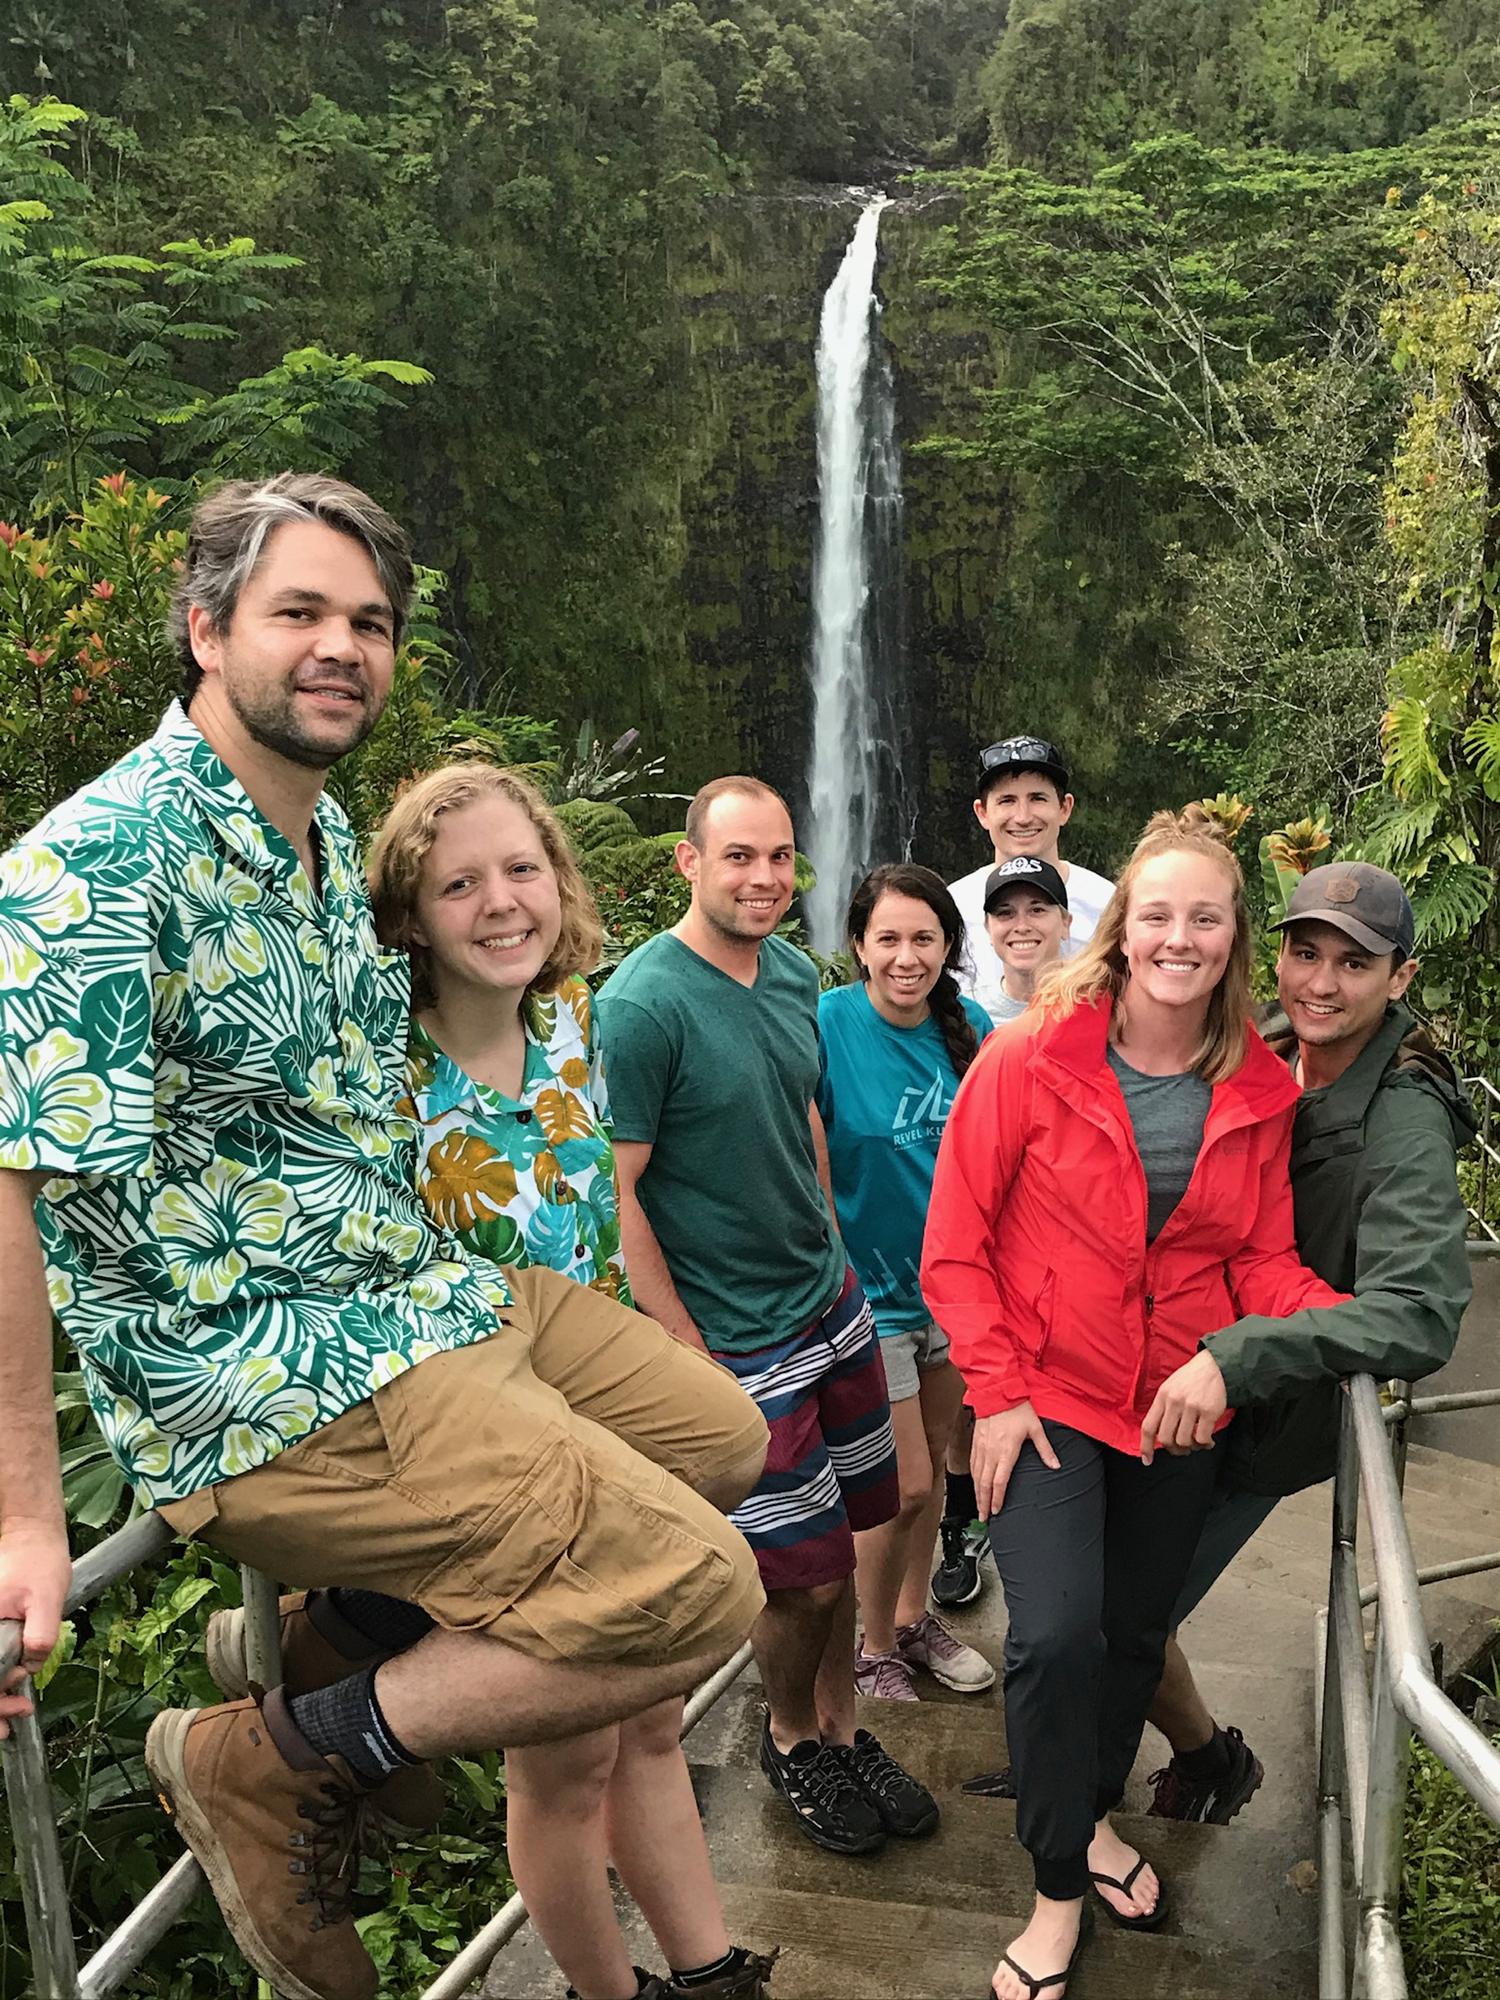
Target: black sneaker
[
  {"x": 834, "y": 1809},
  {"x": 906, "y": 1808},
  {"x": 956, "y": 1580},
  {"x": 1211, "y": 1801},
  {"x": 746, "y": 1979}
]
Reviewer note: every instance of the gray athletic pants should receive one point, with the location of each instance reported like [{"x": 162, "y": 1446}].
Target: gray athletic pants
[{"x": 1092, "y": 1558}]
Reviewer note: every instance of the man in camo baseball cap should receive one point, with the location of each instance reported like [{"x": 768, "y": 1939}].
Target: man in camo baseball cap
[{"x": 1366, "y": 903}]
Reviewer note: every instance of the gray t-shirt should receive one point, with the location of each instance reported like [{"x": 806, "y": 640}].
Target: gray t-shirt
[{"x": 1167, "y": 1115}]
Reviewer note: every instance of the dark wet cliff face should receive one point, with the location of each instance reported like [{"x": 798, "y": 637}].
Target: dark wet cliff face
[
  {"x": 750, "y": 502},
  {"x": 1023, "y": 591},
  {"x": 1020, "y": 590}
]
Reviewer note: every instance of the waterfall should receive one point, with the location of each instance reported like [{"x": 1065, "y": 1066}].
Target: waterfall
[{"x": 858, "y": 799}]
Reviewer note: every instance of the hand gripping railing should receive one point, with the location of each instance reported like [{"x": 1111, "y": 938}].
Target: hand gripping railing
[
  {"x": 1365, "y": 1738},
  {"x": 55, "y": 1971}
]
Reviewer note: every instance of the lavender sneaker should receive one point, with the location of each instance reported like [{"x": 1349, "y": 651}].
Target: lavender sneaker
[
  {"x": 930, "y": 1645},
  {"x": 886, "y": 1676}
]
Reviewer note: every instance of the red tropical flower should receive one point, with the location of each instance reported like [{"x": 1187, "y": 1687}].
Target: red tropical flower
[{"x": 104, "y": 589}]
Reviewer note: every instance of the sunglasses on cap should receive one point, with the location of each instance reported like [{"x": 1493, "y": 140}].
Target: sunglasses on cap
[{"x": 1022, "y": 752}]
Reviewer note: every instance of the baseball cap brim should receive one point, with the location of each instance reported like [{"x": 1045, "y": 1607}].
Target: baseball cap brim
[{"x": 1362, "y": 935}]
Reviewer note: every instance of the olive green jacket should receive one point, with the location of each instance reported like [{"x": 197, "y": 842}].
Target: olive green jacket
[{"x": 1378, "y": 1214}]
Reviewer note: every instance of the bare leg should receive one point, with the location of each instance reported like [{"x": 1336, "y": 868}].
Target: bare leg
[
  {"x": 940, "y": 1398},
  {"x": 883, "y": 1555},
  {"x": 467, "y": 1691},
  {"x": 789, "y": 1638},
  {"x": 834, "y": 1691},
  {"x": 555, "y": 1833},
  {"x": 1112, "y": 1856},
  {"x": 1046, "y": 1944},
  {"x": 656, "y": 1840},
  {"x": 1044, "y": 1947},
  {"x": 1178, "y": 1710}
]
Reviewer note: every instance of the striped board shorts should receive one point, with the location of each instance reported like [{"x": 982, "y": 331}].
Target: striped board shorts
[{"x": 831, "y": 1467}]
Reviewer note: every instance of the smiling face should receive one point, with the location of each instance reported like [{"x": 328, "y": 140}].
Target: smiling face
[
  {"x": 902, "y": 951},
  {"x": 1334, "y": 991},
  {"x": 1023, "y": 813},
  {"x": 1027, "y": 929},
  {"x": 487, "y": 905},
  {"x": 1179, "y": 928},
  {"x": 305, "y": 663},
  {"x": 745, "y": 874}
]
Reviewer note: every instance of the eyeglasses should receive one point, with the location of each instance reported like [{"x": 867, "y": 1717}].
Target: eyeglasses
[{"x": 1025, "y": 751}]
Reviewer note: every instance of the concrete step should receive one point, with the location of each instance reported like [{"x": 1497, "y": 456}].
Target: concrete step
[
  {"x": 928, "y": 1919},
  {"x": 1470, "y": 1434}
]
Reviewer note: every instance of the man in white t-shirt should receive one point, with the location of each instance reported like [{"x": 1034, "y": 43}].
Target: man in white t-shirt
[{"x": 1023, "y": 803}]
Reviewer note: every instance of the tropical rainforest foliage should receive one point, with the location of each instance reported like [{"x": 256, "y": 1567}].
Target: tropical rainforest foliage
[{"x": 1194, "y": 307}]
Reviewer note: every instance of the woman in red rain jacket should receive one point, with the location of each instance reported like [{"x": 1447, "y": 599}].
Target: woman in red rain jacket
[{"x": 1111, "y": 1189}]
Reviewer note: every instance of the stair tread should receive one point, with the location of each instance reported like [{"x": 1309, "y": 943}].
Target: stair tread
[{"x": 928, "y": 1951}]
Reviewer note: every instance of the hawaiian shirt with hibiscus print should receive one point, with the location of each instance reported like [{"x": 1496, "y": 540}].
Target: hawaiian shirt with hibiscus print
[
  {"x": 206, "y": 1054},
  {"x": 528, "y": 1179}
]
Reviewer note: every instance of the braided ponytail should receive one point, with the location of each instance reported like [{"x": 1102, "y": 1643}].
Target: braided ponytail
[{"x": 957, "y": 1030}]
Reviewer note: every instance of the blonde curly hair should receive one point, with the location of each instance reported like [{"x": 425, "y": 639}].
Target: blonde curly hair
[
  {"x": 1100, "y": 971},
  {"x": 405, "y": 840}
]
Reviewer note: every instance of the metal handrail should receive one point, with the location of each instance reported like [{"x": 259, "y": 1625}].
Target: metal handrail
[
  {"x": 56, "y": 1973},
  {"x": 1489, "y": 1152},
  {"x": 1366, "y": 1729}
]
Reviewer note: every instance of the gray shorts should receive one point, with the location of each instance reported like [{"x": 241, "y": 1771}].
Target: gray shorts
[
  {"x": 906, "y": 1355},
  {"x": 1233, "y": 1517}
]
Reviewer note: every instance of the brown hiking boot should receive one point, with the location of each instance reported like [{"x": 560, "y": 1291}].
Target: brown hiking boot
[
  {"x": 411, "y": 1800},
  {"x": 276, "y": 1829},
  {"x": 748, "y": 1983}
]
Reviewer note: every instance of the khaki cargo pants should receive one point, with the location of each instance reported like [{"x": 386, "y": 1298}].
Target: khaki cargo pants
[{"x": 540, "y": 1486}]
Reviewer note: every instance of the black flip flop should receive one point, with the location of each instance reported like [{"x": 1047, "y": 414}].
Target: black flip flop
[
  {"x": 1029, "y": 1980},
  {"x": 1152, "y": 1919}
]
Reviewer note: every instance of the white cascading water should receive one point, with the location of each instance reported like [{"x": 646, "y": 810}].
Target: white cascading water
[{"x": 859, "y": 503}]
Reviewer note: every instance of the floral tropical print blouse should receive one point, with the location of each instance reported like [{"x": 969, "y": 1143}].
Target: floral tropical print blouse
[{"x": 528, "y": 1179}]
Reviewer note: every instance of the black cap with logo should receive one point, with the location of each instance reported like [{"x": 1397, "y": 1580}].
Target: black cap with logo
[
  {"x": 1366, "y": 903},
  {"x": 1022, "y": 753},
  {"x": 1024, "y": 871}
]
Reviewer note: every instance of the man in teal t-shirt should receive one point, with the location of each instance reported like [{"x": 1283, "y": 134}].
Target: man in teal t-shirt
[{"x": 711, "y": 1041}]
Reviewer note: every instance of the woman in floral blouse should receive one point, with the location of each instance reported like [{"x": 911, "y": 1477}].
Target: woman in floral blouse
[{"x": 473, "y": 877}]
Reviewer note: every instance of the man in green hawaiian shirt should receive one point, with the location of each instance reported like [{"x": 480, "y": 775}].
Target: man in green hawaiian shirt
[{"x": 201, "y": 1051}]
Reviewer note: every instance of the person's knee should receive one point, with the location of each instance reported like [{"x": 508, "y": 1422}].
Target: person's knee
[
  {"x": 726, "y": 1486},
  {"x": 814, "y": 1600},
  {"x": 655, "y": 1732},
  {"x": 916, "y": 1492},
  {"x": 568, "y": 1778},
  {"x": 1058, "y": 1649}
]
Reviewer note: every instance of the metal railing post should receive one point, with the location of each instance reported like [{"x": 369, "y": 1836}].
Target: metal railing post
[
  {"x": 1332, "y": 1975},
  {"x": 1380, "y": 1973},
  {"x": 262, "y": 1628},
  {"x": 44, "y": 1885}
]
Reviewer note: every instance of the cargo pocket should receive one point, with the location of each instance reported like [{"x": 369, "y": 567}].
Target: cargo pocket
[
  {"x": 511, "y": 1544},
  {"x": 635, "y": 1581}
]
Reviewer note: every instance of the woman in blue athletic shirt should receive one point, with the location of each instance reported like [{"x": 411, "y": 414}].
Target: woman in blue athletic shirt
[{"x": 893, "y": 1046}]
